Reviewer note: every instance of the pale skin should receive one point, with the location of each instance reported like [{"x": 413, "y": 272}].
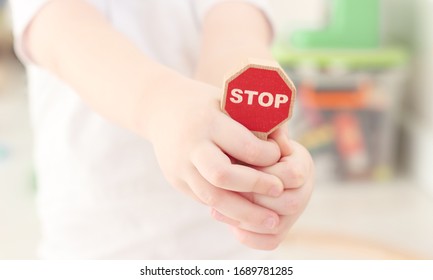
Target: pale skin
[{"x": 260, "y": 199}]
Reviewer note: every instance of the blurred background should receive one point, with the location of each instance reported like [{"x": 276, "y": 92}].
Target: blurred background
[{"x": 362, "y": 70}]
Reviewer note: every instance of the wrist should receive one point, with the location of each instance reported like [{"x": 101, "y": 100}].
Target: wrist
[
  {"x": 155, "y": 98},
  {"x": 216, "y": 63}
]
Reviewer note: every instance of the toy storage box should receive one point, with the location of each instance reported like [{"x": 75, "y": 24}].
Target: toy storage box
[{"x": 347, "y": 109}]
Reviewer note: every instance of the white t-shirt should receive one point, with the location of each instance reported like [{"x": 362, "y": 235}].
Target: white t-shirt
[{"x": 101, "y": 193}]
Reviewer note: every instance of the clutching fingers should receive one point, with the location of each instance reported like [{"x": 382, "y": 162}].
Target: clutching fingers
[
  {"x": 293, "y": 170},
  {"x": 289, "y": 206},
  {"x": 238, "y": 142},
  {"x": 281, "y": 138},
  {"x": 257, "y": 241},
  {"x": 232, "y": 205},
  {"x": 258, "y": 238},
  {"x": 292, "y": 173},
  {"x": 217, "y": 168},
  {"x": 291, "y": 203},
  {"x": 262, "y": 241},
  {"x": 261, "y": 229}
]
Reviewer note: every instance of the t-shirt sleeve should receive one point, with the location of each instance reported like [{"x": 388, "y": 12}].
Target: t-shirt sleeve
[
  {"x": 23, "y": 12},
  {"x": 203, "y": 7}
]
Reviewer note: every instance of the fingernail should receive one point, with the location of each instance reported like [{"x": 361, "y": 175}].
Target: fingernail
[{"x": 270, "y": 222}]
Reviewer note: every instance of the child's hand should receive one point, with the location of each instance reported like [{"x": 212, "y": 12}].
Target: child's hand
[
  {"x": 193, "y": 140},
  {"x": 296, "y": 170}
]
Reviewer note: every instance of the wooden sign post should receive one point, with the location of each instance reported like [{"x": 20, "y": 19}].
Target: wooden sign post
[{"x": 260, "y": 96}]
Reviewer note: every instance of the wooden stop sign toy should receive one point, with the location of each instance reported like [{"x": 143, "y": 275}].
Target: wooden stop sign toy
[{"x": 260, "y": 96}]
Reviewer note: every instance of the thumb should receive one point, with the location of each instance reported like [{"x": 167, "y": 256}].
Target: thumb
[{"x": 281, "y": 137}]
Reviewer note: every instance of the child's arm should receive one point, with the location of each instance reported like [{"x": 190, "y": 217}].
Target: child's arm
[
  {"x": 232, "y": 33},
  {"x": 179, "y": 116}
]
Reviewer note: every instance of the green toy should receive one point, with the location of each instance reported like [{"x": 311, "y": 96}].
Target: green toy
[
  {"x": 354, "y": 24},
  {"x": 380, "y": 58}
]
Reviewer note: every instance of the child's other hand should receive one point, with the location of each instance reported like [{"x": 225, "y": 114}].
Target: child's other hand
[
  {"x": 296, "y": 170},
  {"x": 193, "y": 141}
]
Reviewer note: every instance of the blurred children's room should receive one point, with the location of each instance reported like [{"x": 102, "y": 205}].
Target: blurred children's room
[{"x": 362, "y": 73}]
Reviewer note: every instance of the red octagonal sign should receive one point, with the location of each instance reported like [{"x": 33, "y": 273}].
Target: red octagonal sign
[{"x": 260, "y": 97}]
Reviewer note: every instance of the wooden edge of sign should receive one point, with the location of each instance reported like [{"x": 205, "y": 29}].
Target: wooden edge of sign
[
  {"x": 261, "y": 135},
  {"x": 260, "y": 64}
]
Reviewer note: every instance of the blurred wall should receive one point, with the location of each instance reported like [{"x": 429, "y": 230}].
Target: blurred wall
[
  {"x": 421, "y": 101},
  {"x": 291, "y": 15},
  {"x": 398, "y": 17}
]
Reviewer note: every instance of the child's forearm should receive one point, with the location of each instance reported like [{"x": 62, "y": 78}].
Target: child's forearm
[
  {"x": 74, "y": 41},
  {"x": 232, "y": 33}
]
